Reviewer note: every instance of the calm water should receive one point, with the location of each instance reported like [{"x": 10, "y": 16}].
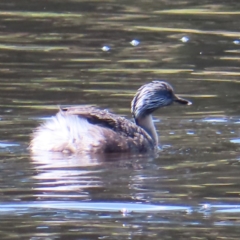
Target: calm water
[{"x": 99, "y": 52}]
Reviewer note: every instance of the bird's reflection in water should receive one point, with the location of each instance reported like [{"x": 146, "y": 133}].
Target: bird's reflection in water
[
  {"x": 55, "y": 159},
  {"x": 61, "y": 175},
  {"x": 78, "y": 176}
]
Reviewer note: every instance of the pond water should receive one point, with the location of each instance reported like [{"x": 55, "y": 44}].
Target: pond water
[{"x": 100, "y": 52}]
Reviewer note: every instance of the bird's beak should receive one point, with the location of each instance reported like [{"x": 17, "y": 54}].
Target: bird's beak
[{"x": 182, "y": 100}]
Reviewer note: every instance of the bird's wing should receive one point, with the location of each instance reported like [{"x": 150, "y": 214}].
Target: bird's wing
[
  {"x": 94, "y": 115},
  {"x": 104, "y": 118}
]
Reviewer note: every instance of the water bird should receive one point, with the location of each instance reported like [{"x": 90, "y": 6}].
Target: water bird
[{"x": 87, "y": 129}]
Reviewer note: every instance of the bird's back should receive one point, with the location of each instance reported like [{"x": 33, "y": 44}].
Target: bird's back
[{"x": 88, "y": 129}]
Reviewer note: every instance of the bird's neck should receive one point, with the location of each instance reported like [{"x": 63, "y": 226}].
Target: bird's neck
[{"x": 147, "y": 124}]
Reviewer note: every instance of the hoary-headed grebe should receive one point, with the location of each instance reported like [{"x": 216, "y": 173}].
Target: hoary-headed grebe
[{"x": 84, "y": 129}]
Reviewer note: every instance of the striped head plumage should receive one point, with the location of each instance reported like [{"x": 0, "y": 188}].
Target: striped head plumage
[{"x": 152, "y": 96}]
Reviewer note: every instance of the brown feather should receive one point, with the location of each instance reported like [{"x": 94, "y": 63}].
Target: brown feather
[{"x": 120, "y": 134}]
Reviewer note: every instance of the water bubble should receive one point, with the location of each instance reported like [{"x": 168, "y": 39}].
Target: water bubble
[
  {"x": 236, "y": 41},
  {"x": 105, "y": 48},
  {"x": 205, "y": 207},
  {"x": 185, "y": 39},
  {"x": 8, "y": 110},
  {"x": 189, "y": 211},
  {"x": 134, "y": 43},
  {"x": 165, "y": 146},
  {"x": 125, "y": 211},
  {"x": 190, "y": 132},
  {"x": 236, "y": 140},
  {"x": 8, "y": 144}
]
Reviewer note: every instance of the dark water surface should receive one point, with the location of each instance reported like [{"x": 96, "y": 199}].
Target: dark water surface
[{"x": 77, "y": 52}]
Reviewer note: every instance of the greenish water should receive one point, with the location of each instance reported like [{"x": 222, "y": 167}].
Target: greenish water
[{"x": 99, "y": 52}]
